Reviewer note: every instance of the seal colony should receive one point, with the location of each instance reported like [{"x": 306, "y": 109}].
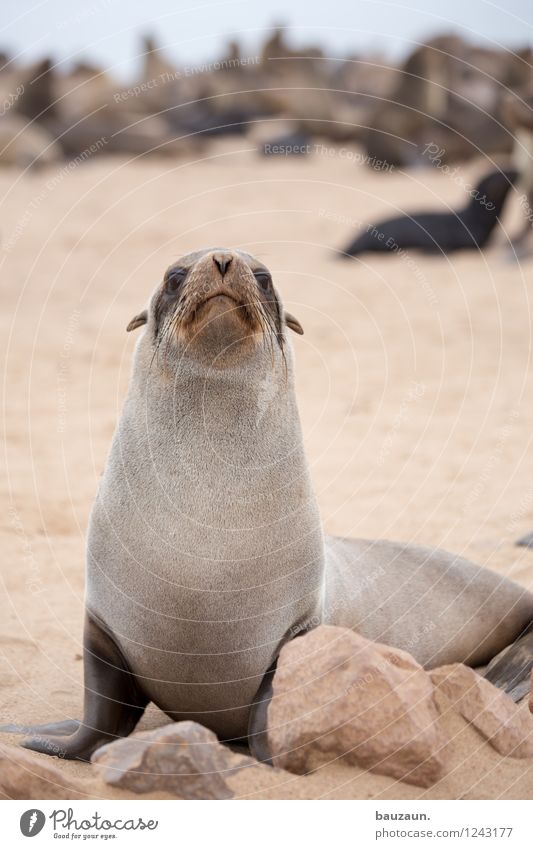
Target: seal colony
[
  {"x": 205, "y": 548},
  {"x": 518, "y": 113},
  {"x": 441, "y": 232}
]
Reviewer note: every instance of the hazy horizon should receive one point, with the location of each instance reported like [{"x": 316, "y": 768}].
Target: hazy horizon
[{"x": 108, "y": 32}]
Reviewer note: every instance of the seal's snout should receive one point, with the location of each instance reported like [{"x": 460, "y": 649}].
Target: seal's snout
[
  {"x": 222, "y": 260},
  {"x": 212, "y": 301},
  {"x": 219, "y": 305}
]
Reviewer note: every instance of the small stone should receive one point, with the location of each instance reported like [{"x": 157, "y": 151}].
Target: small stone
[
  {"x": 183, "y": 759},
  {"x": 339, "y": 695},
  {"x": 507, "y": 727},
  {"x": 26, "y": 776}
]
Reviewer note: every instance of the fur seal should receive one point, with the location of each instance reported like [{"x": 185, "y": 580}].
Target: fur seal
[
  {"x": 444, "y": 232},
  {"x": 431, "y": 97},
  {"x": 518, "y": 114},
  {"x": 205, "y": 548},
  {"x": 526, "y": 541}
]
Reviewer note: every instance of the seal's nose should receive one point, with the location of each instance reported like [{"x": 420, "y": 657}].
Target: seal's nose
[{"x": 222, "y": 260}]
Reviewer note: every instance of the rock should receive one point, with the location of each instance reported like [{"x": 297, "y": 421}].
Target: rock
[
  {"x": 339, "y": 695},
  {"x": 507, "y": 727},
  {"x": 26, "y": 776},
  {"x": 183, "y": 759},
  {"x": 26, "y": 144}
]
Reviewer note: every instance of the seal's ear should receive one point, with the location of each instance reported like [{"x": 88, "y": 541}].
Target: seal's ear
[
  {"x": 293, "y": 323},
  {"x": 137, "y": 321}
]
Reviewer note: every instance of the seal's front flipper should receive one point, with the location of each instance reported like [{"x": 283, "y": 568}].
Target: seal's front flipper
[
  {"x": 257, "y": 723},
  {"x": 114, "y": 703},
  {"x": 511, "y": 669},
  {"x": 62, "y": 728},
  {"x": 526, "y": 541}
]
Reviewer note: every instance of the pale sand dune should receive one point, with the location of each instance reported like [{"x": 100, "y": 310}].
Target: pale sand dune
[{"x": 414, "y": 377}]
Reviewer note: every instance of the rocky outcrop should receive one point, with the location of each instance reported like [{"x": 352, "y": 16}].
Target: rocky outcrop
[
  {"x": 507, "y": 727},
  {"x": 339, "y": 695}
]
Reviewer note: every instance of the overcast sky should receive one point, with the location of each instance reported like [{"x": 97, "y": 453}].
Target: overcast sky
[{"x": 108, "y": 30}]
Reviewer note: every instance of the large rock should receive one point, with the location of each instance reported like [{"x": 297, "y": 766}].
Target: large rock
[
  {"x": 339, "y": 695},
  {"x": 182, "y": 759},
  {"x": 507, "y": 727},
  {"x": 27, "y": 776}
]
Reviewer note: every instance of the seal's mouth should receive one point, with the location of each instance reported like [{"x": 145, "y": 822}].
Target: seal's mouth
[
  {"x": 219, "y": 304},
  {"x": 221, "y": 307},
  {"x": 220, "y": 298}
]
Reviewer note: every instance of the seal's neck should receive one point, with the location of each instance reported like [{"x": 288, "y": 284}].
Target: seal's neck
[
  {"x": 216, "y": 460},
  {"x": 482, "y": 213},
  {"x": 240, "y": 424}
]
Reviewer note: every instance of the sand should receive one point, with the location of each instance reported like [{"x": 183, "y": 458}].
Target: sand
[{"x": 414, "y": 382}]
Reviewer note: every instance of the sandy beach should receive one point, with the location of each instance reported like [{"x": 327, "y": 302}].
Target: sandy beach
[{"x": 414, "y": 383}]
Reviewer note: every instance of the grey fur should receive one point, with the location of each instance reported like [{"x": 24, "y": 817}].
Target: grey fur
[{"x": 205, "y": 548}]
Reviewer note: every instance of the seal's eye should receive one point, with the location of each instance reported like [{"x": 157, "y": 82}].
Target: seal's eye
[
  {"x": 263, "y": 278},
  {"x": 174, "y": 279}
]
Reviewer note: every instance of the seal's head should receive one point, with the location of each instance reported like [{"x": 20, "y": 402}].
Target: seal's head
[{"x": 216, "y": 305}]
